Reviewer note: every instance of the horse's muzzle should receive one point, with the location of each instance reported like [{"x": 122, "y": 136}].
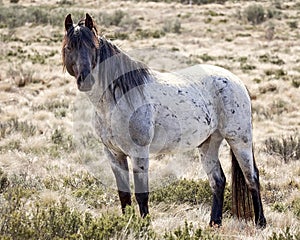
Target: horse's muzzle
[{"x": 85, "y": 82}]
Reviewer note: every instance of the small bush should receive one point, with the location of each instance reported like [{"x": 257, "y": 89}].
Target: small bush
[
  {"x": 148, "y": 33},
  {"x": 288, "y": 148},
  {"x": 197, "y": 2},
  {"x": 293, "y": 24},
  {"x": 22, "y": 76},
  {"x": 205, "y": 57},
  {"x": 189, "y": 232},
  {"x": 61, "y": 138},
  {"x": 112, "y": 19},
  {"x": 296, "y": 207},
  {"x": 183, "y": 191},
  {"x": 277, "y": 73},
  {"x": 56, "y": 220},
  {"x": 118, "y": 18},
  {"x": 255, "y": 13},
  {"x": 296, "y": 83},
  {"x": 286, "y": 235},
  {"x": 172, "y": 26},
  {"x": 188, "y": 191},
  {"x": 17, "y": 126}
]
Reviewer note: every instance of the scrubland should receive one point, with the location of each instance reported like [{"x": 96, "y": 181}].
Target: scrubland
[{"x": 55, "y": 182}]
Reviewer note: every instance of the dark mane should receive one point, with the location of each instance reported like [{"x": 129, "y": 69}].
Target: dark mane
[{"x": 120, "y": 72}]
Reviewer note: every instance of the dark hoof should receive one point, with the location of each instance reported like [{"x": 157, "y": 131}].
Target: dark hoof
[
  {"x": 215, "y": 224},
  {"x": 261, "y": 223}
]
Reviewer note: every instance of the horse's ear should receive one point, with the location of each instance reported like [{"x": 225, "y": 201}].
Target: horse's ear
[
  {"x": 68, "y": 22},
  {"x": 89, "y": 22}
]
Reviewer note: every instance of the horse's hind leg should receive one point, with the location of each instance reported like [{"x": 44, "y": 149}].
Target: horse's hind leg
[
  {"x": 243, "y": 152},
  {"x": 119, "y": 167},
  {"x": 209, "y": 156}
]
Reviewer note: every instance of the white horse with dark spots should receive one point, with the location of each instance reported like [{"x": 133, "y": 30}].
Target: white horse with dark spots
[{"x": 140, "y": 113}]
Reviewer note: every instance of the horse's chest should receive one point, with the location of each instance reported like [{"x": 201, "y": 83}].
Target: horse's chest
[{"x": 104, "y": 130}]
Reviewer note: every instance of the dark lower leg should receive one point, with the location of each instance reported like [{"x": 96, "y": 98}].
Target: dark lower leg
[
  {"x": 125, "y": 198},
  {"x": 260, "y": 219},
  {"x": 141, "y": 187},
  {"x": 142, "y": 199},
  {"x": 218, "y": 199}
]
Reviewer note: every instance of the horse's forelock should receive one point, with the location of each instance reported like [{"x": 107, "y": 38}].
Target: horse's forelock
[{"x": 80, "y": 34}]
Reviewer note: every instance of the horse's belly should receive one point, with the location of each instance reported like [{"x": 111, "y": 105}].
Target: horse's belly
[{"x": 176, "y": 132}]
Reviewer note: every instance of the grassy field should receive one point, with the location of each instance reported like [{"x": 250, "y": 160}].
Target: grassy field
[{"x": 55, "y": 182}]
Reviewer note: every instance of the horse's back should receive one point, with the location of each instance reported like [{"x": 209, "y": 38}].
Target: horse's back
[{"x": 197, "y": 101}]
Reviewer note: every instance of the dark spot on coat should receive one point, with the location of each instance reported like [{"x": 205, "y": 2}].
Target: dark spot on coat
[
  {"x": 232, "y": 111},
  {"x": 197, "y": 118},
  {"x": 208, "y": 119},
  {"x": 245, "y": 139}
]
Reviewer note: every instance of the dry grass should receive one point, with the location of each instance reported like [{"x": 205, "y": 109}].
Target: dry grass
[{"x": 42, "y": 117}]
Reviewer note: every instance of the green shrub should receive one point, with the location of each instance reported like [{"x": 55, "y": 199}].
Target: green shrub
[
  {"x": 118, "y": 18},
  {"x": 148, "y": 33},
  {"x": 255, "y": 13},
  {"x": 61, "y": 138},
  {"x": 296, "y": 83},
  {"x": 16, "y": 126},
  {"x": 112, "y": 19},
  {"x": 183, "y": 191},
  {"x": 278, "y": 207},
  {"x": 24, "y": 219},
  {"x": 197, "y": 2},
  {"x": 188, "y": 191},
  {"x": 293, "y": 24},
  {"x": 189, "y": 232},
  {"x": 296, "y": 207},
  {"x": 17, "y": 16},
  {"x": 172, "y": 26},
  {"x": 278, "y": 73},
  {"x": 205, "y": 57},
  {"x": 286, "y": 235},
  {"x": 288, "y": 148}
]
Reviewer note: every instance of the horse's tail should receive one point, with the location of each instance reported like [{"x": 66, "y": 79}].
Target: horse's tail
[{"x": 242, "y": 205}]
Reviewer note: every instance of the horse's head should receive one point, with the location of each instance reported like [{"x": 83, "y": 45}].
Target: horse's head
[{"x": 80, "y": 51}]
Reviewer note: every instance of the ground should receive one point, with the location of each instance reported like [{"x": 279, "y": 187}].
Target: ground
[{"x": 43, "y": 116}]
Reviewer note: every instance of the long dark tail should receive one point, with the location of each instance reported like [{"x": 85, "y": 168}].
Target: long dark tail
[{"x": 242, "y": 204}]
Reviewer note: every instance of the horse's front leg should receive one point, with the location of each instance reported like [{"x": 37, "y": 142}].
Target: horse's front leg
[
  {"x": 119, "y": 167},
  {"x": 141, "y": 187}
]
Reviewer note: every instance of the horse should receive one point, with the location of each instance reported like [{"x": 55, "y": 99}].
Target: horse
[{"x": 140, "y": 113}]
